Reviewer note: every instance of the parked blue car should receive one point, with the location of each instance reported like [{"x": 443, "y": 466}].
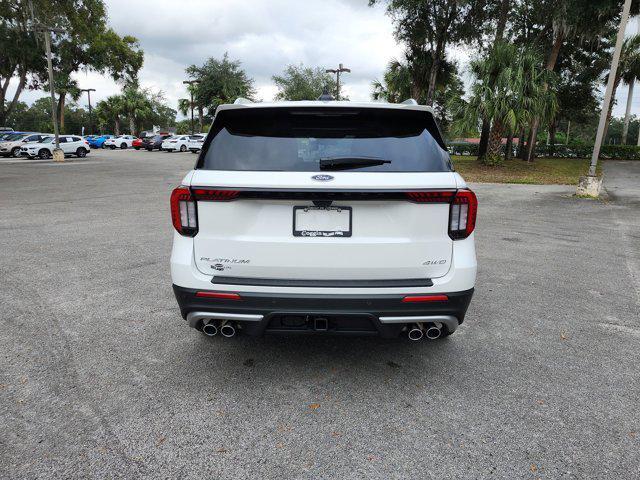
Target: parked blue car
[{"x": 98, "y": 140}]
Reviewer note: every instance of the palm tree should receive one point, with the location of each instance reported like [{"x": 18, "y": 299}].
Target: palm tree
[
  {"x": 65, "y": 86},
  {"x": 628, "y": 70},
  {"x": 136, "y": 106},
  {"x": 510, "y": 89},
  {"x": 109, "y": 110}
]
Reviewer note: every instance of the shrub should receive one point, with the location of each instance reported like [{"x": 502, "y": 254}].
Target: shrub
[{"x": 573, "y": 150}]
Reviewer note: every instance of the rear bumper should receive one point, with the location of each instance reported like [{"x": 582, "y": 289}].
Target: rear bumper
[{"x": 375, "y": 314}]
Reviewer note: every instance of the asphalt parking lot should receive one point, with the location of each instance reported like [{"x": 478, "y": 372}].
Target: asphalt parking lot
[{"x": 101, "y": 378}]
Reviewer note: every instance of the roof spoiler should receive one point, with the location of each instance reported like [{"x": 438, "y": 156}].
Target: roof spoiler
[{"x": 242, "y": 101}]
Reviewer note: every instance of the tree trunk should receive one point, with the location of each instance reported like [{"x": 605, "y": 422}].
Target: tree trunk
[
  {"x": 116, "y": 127},
  {"x": 484, "y": 137},
  {"x": 6, "y": 109},
  {"x": 553, "y": 127},
  {"x": 525, "y": 150},
  {"x": 502, "y": 20},
  {"x": 132, "y": 125},
  {"x": 627, "y": 113},
  {"x": 433, "y": 75},
  {"x": 551, "y": 63},
  {"x": 495, "y": 145},
  {"x": 61, "y": 101},
  {"x": 520, "y": 152},
  {"x": 200, "y": 118},
  {"x": 568, "y": 132},
  {"x": 508, "y": 151}
]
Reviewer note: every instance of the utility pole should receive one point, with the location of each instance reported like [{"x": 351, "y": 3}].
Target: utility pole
[
  {"x": 58, "y": 155},
  {"x": 338, "y": 71},
  {"x": 591, "y": 185},
  {"x": 89, "y": 90},
  {"x": 191, "y": 83}
]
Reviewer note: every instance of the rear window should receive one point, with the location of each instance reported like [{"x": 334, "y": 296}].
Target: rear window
[{"x": 314, "y": 139}]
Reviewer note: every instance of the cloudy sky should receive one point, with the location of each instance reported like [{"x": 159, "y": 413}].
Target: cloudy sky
[{"x": 266, "y": 35}]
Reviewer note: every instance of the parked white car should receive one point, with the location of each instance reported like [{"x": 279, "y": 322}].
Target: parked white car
[
  {"x": 69, "y": 144},
  {"x": 11, "y": 146},
  {"x": 195, "y": 142},
  {"x": 122, "y": 141},
  {"x": 324, "y": 217},
  {"x": 176, "y": 143}
]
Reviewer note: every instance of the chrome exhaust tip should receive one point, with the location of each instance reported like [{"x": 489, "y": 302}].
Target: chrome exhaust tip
[
  {"x": 227, "y": 330},
  {"x": 434, "y": 331},
  {"x": 416, "y": 332},
  {"x": 210, "y": 329}
]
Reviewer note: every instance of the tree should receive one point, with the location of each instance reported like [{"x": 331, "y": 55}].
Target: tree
[
  {"x": 298, "y": 82},
  {"x": 553, "y": 23},
  {"x": 426, "y": 28},
  {"x": 221, "y": 81},
  {"x": 108, "y": 113},
  {"x": 628, "y": 70},
  {"x": 396, "y": 87},
  {"x": 85, "y": 43},
  {"x": 510, "y": 89},
  {"x": 21, "y": 57}
]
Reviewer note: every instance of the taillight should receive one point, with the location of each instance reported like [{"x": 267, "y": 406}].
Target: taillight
[
  {"x": 211, "y": 195},
  {"x": 183, "y": 212},
  {"x": 463, "y": 206},
  {"x": 462, "y": 214}
]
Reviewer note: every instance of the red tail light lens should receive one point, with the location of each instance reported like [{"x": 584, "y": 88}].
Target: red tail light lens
[
  {"x": 211, "y": 195},
  {"x": 462, "y": 210},
  {"x": 435, "y": 196},
  {"x": 462, "y": 214},
  {"x": 183, "y": 212}
]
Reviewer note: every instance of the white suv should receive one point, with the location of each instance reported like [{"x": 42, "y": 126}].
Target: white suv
[
  {"x": 69, "y": 144},
  {"x": 324, "y": 217}
]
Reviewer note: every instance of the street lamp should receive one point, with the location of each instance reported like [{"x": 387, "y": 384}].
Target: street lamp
[
  {"x": 89, "y": 90},
  {"x": 191, "y": 83},
  {"x": 338, "y": 71}
]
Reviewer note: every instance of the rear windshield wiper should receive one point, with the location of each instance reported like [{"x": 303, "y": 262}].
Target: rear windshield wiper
[{"x": 346, "y": 163}]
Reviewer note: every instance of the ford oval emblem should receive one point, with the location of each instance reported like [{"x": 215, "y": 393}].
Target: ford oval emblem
[{"x": 322, "y": 178}]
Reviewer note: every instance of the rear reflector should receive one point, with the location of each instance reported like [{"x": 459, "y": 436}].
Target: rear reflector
[
  {"x": 425, "y": 298},
  {"x": 222, "y": 296}
]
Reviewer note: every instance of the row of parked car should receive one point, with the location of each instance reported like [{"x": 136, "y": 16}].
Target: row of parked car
[
  {"x": 32, "y": 144},
  {"x": 162, "y": 141}
]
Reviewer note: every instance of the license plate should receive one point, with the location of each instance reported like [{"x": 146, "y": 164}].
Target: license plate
[{"x": 322, "y": 221}]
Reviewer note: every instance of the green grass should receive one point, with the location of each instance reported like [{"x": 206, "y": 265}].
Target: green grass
[{"x": 542, "y": 171}]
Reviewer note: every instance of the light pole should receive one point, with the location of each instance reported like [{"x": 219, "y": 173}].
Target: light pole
[
  {"x": 89, "y": 90},
  {"x": 338, "y": 71},
  {"x": 191, "y": 83},
  {"x": 591, "y": 185}
]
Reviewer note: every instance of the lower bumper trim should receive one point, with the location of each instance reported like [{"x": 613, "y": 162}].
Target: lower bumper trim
[{"x": 194, "y": 317}]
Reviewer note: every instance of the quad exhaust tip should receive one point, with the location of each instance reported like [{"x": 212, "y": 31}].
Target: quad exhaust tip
[
  {"x": 210, "y": 329},
  {"x": 416, "y": 332},
  {"x": 227, "y": 330},
  {"x": 430, "y": 331}
]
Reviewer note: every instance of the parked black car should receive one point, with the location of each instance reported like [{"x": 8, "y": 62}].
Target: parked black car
[{"x": 153, "y": 142}]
